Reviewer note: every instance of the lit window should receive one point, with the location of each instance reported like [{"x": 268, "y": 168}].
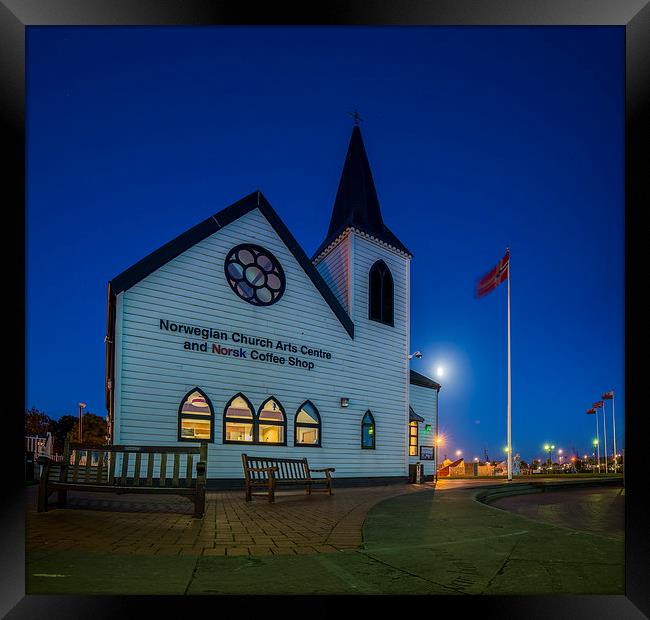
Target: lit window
[
  {"x": 272, "y": 423},
  {"x": 241, "y": 425},
  {"x": 195, "y": 417},
  {"x": 368, "y": 431},
  {"x": 380, "y": 293},
  {"x": 239, "y": 421},
  {"x": 307, "y": 426},
  {"x": 413, "y": 438}
]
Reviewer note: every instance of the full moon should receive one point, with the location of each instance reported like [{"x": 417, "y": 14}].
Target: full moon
[{"x": 440, "y": 371}]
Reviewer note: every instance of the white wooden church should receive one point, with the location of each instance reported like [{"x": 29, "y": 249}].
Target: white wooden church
[{"x": 230, "y": 334}]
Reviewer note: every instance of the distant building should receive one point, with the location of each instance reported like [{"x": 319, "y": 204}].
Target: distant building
[
  {"x": 453, "y": 468},
  {"x": 485, "y": 469}
]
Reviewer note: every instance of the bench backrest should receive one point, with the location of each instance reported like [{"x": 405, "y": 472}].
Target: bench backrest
[
  {"x": 136, "y": 466},
  {"x": 288, "y": 469}
]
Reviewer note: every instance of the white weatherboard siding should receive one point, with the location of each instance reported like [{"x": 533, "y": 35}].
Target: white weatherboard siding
[
  {"x": 155, "y": 372},
  {"x": 334, "y": 268},
  {"x": 425, "y": 403},
  {"x": 386, "y": 366}
]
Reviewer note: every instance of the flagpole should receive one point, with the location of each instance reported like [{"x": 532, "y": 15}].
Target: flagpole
[
  {"x": 598, "y": 441},
  {"x": 605, "y": 435},
  {"x": 614, "y": 425},
  {"x": 509, "y": 381}
]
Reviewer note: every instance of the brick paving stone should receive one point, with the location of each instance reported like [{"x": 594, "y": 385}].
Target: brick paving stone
[{"x": 295, "y": 523}]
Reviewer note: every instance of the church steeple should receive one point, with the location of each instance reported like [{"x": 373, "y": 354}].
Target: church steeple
[{"x": 356, "y": 204}]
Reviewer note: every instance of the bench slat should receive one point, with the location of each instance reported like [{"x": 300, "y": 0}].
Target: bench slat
[
  {"x": 188, "y": 472},
  {"x": 150, "y": 469},
  {"x": 177, "y": 463},
  {"x": 136, "y": 470},
  {"x": 111, "y": 468},
  {"x": 163, "y": 469},
  {"x": 75, "y": 467},
  {"x": 88, "y": 464},
  {"x": 100, "y": 468},
  {"x": 125, "y": 468}
]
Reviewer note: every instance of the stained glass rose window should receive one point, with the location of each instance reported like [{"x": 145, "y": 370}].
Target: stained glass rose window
[{"x": 254, "y": 274}]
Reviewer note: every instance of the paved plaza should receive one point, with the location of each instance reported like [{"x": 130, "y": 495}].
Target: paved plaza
[
  {"x": 415, "y": 539},
  {"x": 163, "y": 525}
]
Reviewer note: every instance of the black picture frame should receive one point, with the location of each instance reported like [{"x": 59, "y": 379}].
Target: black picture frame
[
  {"x": 426, "y": 453},
  {"x": 633, "y": 15}
]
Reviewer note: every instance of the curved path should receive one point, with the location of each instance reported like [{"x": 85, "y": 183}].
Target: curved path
[
  {"x": 452, "y": 542},
  {"x": 598, "y": 511}
]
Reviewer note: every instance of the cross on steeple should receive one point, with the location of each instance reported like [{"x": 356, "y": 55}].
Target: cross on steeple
[{"x": 356, "y": 116}]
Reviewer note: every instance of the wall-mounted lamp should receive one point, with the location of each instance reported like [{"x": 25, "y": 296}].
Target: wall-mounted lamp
[
  {"x": 416, "y": 355},
  {"x": 345, "y": 402},
  {"x": 427, "y": 428}
]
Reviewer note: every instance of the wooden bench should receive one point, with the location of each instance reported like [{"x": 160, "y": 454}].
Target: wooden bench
[
  {"x": 93, "y": 468},
  {"x": 267, "y": 473}
]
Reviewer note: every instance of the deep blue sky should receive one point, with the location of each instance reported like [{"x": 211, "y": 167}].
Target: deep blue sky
[{"x": 478, "y": 138}]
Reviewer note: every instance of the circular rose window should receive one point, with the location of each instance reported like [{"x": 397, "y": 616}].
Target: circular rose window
[{"x": 254, "y": 274}]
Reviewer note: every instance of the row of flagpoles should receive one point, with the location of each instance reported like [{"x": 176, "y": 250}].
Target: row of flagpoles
[{"x": 594, "y": 410}]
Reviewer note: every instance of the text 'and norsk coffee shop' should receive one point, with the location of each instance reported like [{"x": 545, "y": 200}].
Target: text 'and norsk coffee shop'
[{"x": 230, "y": 335}]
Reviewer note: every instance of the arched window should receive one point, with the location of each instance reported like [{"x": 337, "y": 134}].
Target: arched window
[
  {"x": 195, "y": 417},
  {"x": 380, "y": 293},
  {"x": 271, "y": 423},
  {"x": 307, "y": 426},
  {"x": 238, "y": 420},
  {"x": 368, "y": 431}
]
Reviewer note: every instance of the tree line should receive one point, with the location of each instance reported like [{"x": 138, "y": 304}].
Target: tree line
[{"x": 94, "y": 428}]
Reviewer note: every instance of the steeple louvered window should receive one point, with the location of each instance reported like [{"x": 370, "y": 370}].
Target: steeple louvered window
[{"x": 380, "y": 293}]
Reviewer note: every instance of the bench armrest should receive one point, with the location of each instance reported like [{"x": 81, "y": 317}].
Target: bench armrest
[{"x": 325, "y": 469}]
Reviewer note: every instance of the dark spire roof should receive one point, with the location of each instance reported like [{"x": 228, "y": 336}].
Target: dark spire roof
[{"x": 356, "y": 202}]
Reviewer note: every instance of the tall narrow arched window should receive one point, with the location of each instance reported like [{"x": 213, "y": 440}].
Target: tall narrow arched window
[
  {"x": 238, "y": 420},
  {"x": 271, "y": 423},
  {"x": 195, "y": 417},
  {"x": 368, "y": 431},
  {"x": 380, "y": 294},
  {"x": 307, "y": 426}
]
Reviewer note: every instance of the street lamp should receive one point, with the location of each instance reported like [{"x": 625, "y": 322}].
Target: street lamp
[
  {"x": 81, "y": 408},
  {"x": 438, "y": 442},
  {"x": 547, "y": 449},
  {"x": 595, "y": 443},
  {"x": 416, "y": 355}
]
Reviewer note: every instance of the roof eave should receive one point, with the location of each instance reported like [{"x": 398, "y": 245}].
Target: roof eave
[{"x": 194, "y": 235}]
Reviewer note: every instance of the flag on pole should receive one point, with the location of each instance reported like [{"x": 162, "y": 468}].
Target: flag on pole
[
  {"x": 608, "y": 395},
  {"x": 494, "y": 277},
  {"x": 592, "y": 410},
  {"x": 598, "y": 405}
]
